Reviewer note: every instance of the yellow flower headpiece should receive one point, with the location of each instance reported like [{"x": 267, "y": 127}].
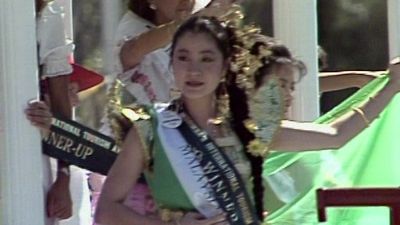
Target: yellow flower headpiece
[
  {"x": 244, "y": 64},
  {"x": 266, "y": 104}
]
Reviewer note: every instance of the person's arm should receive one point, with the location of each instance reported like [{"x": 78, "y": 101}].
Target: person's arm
[
  {"x": 333, "y": 81},
  {"x": 296, "y": 136},
  {"x": 53, "y": 57},
  {"x": 119, "y": 182},
  {"x": 59, "y": 202},
  {"x": 133, "y": 51},
  {"x": 59, "y": 97}
]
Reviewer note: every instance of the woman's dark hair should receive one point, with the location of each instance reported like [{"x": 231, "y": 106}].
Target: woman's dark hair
[
  {"x": 206, "y": 25},
  {"x": 142, "y": 9},
  {"x": 225, "y": 39}
]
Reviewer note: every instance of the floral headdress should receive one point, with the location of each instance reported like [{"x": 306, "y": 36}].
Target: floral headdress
[{"x": 266, "y": 104}]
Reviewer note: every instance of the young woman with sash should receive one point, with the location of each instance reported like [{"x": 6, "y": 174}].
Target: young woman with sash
[
  {"x": 193, "y": 150},
  {"x": 141, "y": 63}
]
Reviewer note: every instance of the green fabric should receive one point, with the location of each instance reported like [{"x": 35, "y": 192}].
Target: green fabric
[
  {"x": 164, "y": 185},
  {"x": 370, "y": 159}
]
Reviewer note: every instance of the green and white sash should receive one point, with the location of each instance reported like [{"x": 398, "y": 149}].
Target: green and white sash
[{"x": 208, "y": 177}]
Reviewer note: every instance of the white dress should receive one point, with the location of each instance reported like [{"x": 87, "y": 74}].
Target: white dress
[
  {"x": 53, "y": 57},
  {"x": 152, "y": 79},
  {"x": 154, "y": 67}
]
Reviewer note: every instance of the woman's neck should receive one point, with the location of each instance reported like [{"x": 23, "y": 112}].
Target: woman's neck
[{"x": 201, "y": 110}]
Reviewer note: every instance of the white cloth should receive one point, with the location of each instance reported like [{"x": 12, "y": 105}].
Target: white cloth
[
  {"x": 53, "y": 49},
  {"x": 80, "y": 195},
  {"x": 154, "y": 67}
]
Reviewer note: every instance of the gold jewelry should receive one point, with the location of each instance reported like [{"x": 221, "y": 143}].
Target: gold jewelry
[
  {"x": 362, "y": 114},
  {"x": 222, "y": 105},
  {"x": 168, "y": 215}
]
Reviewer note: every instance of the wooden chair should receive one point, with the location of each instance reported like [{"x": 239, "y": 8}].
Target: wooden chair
[{"x": 342, "y": 197}]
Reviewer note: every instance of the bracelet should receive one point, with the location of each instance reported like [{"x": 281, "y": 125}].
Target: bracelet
[{"x": 362, "y": 114}]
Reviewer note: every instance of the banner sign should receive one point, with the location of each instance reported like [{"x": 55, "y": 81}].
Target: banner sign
[{"x": 79, "y": 145}]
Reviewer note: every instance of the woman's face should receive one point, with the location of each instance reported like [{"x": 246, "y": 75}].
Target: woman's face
[
  {"x": 167, "y": 10},
  {"x": 198, "y": 65}
]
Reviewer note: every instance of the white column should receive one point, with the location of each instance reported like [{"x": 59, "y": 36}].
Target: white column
[
  {"x": 394, "y": 27},
  {"x": 111, "y": 11},
  {"x": 21, "y": 190},
  {"x": 295, "y": 24}
]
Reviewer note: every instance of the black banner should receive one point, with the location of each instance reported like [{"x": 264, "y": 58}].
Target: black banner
[{"x": 78, "y": 145}]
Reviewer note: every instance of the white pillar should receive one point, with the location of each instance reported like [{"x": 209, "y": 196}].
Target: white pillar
[
  {"x": 394, "y": 27},
  {"x": 111, "y": 11},
  {"x": 21, "y": 189},
  {"x": 295, "y": 24}
]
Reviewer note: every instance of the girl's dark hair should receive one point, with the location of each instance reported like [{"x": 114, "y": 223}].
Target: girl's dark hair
[
  {"x": 142, "y": 9},
  {"x": 280, "y": 55},
  {"x": 206, "y": 25}
]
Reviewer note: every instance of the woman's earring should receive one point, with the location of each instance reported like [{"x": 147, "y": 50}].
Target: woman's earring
[
  {"x": 222, "y": 103},
  {"x": 153, "y": 6}
]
